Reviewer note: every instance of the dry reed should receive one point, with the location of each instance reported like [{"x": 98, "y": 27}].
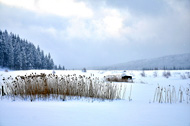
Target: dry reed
[
  {"x": 62, "y": 87},
  {"x": 169, "y": 94}
]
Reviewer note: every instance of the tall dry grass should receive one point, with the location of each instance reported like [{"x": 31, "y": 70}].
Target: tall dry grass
[
  {"x": 62, "y": 87},
  {"x": 171, "y": 95}
]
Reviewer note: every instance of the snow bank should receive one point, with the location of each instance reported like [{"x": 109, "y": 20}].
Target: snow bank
[{"x": 83, "y": 113}]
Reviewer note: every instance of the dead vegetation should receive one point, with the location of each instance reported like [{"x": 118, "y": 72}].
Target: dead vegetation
[
  {"x": 62, "y": 87},
  {"x": 171, "y": 95},
  {"x": 166, "y": 74},
  {"x": 116, "y": 78},
  {"x": 143, "y": 74}
]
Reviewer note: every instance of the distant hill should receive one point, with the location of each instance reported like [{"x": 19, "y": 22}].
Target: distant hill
[{"x": 180, "y": 61}]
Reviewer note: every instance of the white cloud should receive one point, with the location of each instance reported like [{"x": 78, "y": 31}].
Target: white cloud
[
  {"x": 44, "y": 30},
  {"x": 65, "y": 8},
  {"x": 143, "y": 30},
  {"x": 108, "y": 27},
  {"x": 181, "y": 9},
  {"x": 106, "y": 23},
  {"x": 113, "y": 23},
  {"x": 77, "y": 28}
]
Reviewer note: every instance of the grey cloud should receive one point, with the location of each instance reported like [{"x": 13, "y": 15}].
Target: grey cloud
[
  {"x": 140, "y": 7},
  {"x": 27, "y": 18}
]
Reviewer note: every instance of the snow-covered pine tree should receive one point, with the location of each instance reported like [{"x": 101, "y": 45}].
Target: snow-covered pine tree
[
  {"x": 59, "y": 68},
  {"x": 38, "y": 59},
  {"x": 50, "y": 63},
  {"x": 55, "y": 67},
  {"x": 17, "y": 53},
  {"x": 43, "y": 64},
  {"x": 10, "y": 54},
  {"x": 23, "y": 54},
  {"x": 1, "y": 49},
  {"x": 5, "y": 48}
]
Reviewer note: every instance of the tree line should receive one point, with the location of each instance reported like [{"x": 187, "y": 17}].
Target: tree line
[
  {"x": 168, "y": 68},
  {"x": 19, "y": 54}
]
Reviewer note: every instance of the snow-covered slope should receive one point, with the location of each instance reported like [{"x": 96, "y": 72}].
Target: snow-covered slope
[{"x": 180, "y": 61}]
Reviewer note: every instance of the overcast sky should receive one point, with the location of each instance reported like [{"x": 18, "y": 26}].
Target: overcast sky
[{"x": 83, "y": 33}]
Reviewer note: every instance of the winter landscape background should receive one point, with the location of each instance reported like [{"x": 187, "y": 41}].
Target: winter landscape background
[{"x": 69, "y": 62}]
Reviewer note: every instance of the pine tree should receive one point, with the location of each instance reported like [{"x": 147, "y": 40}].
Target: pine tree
[
  {"x": 1, "y": 48},
  {"x": 10, "y": 54},
  {"x": 17, "y": 53},
  {"x": 45, "y": 62},
  {"x": 42, "y": 60},
  {"x": 50, "y": 62},
  {"x": 55, "y": 67},
  {"x": 5, "y": 51},
  {"x": 29, "y": 55},
  {"x": 38, "y": 59},
  {"x": 59, "y": 68}
]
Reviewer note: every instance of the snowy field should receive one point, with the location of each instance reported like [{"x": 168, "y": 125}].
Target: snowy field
[{"x": 140, "y": 111}]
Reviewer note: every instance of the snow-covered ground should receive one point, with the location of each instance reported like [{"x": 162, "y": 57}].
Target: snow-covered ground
[{"x": 141, "y": 111}]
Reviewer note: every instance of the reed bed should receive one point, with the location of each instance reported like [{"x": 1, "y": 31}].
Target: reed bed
[
  {"x": 63, "y": 87},
  {"x": 171, "y": 95}
]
